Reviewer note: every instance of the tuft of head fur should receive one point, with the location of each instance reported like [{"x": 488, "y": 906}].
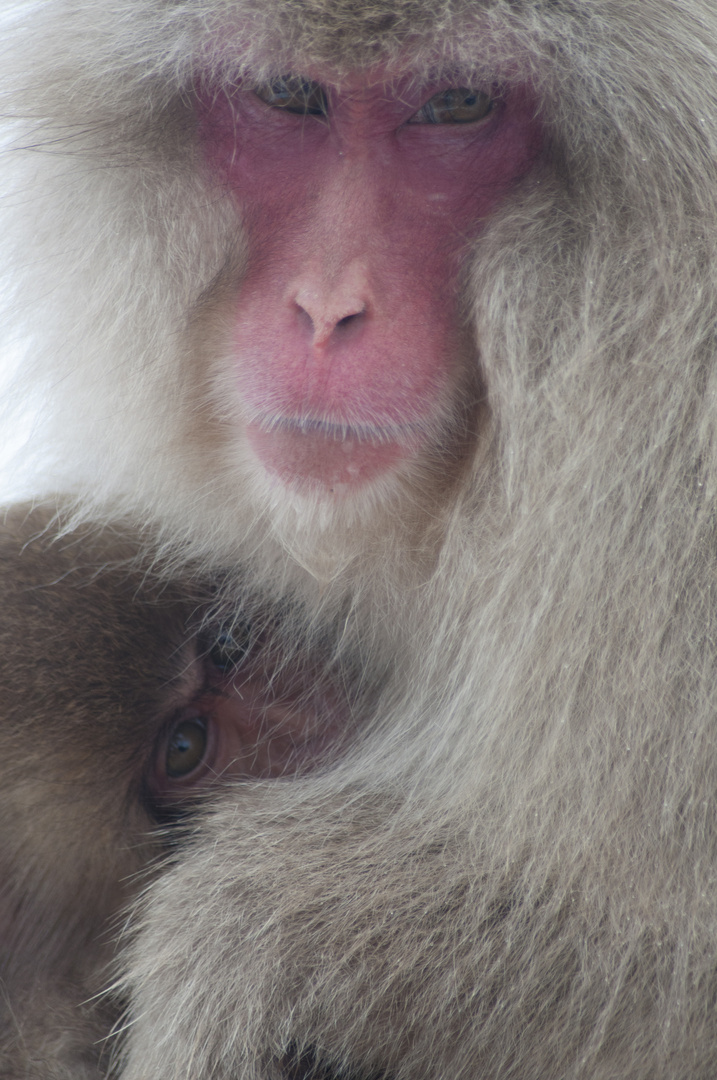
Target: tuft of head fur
[{"x": 513, "y": 873}]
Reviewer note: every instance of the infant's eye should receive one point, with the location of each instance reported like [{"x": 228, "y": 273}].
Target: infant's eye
[
  {"x": 294, "y": 96},
  {"x": 186, "y": 747},
  {"x": 232, "y": 645},
  {"x": 458, "y": 105}
]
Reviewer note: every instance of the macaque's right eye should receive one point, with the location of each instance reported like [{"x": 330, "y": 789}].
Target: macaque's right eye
[
  {"x": 294, "y": 96},
  {"x": 186, "y": 747}
]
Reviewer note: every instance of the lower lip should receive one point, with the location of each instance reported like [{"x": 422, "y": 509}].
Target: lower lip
[{"x": 313, "y": 458}]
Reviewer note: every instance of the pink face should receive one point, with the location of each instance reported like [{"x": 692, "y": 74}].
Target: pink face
[
  {"x": 249, "y": 720},
  {"x": 359, "y": 201}
]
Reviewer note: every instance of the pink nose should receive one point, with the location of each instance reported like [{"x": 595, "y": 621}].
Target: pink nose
[{"x": 332, "y": 305}]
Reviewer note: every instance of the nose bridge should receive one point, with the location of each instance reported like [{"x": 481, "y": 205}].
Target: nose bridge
[
  {"x": 340, "y": 277},
  {"x": 349, "y": 207}
]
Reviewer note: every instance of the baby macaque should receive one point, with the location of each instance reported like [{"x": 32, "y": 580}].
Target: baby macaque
[{"x": 120, "y": 703}]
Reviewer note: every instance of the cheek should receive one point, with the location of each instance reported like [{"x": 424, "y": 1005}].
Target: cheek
[{"x": 268, "y": 730}]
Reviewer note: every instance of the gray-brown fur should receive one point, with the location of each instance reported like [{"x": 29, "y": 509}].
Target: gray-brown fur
[
  {"x": 93, "y": 659},
  {"x": 514, "y": 874}
]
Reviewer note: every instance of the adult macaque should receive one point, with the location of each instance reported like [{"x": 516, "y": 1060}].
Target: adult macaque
[
  {"x": 405, "y": 313},
  {"x": 119, "y": 705}
]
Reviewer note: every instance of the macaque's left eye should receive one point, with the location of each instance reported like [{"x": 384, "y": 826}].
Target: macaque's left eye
[
  {"x": 458, "y": 105},
  {"x": 294, "y": 96}
]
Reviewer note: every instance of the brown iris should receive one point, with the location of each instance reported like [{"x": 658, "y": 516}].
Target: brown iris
[{"x": 186, "y": 747}]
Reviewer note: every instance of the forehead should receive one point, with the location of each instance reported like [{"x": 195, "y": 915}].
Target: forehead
[
  {"x": 353, "y": 35},
  {"x": 340, "y": 42}
]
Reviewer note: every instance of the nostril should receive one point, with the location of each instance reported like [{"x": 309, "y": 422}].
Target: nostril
[
  {"x": 322, "y": 324},
  {"x": 305, "y": 318},
  {"x": 347, "y": 319},
  {"x": 333, "y": 301}
]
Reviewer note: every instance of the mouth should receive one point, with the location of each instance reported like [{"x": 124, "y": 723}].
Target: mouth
[{"x": 329, "y": 455}]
